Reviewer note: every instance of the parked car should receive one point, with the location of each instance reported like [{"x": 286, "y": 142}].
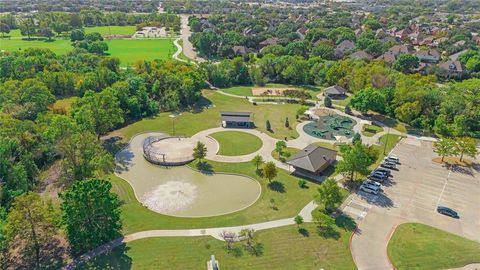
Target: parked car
[
  {"x": 379, "y": 174},
  {"x": 385, "y": 171},
  {"x": 392, "y": 158},
  {"x": 447, "y": 212},
  {"x": 377, "y": 178},
  {"x": 370, "y": 190},
  {"x": 389, "y": 165},
  {"x": 371, "y": 184}
]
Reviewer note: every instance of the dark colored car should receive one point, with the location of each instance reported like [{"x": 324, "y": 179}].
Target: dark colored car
[{"x": 447, "y": 212}]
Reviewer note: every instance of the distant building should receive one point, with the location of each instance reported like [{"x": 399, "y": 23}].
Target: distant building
[
  {"x": 236, "y": 119},
  {"x": 313, "y": 159},
  {"x": 239, "y": 50},
  {"x": 268, "y": 41},
  {"x": 429, "y": 56},
  {"x": 335, "y": 92},
  {"x": 453, "y": 68},
  {"x": 361, "y": 55},
  {"x": 344, "y": 48}
]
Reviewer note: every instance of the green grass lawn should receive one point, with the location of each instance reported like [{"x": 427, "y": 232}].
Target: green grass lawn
[
  {"x": 288, "y": 198},
  {"x": 290, "y": 150},
  {"x": 239, "y": 90},
  {"x": 342, "y": 102},
  {"x": 127, "y": 50},
  {"x": 236, "y": 143},
  {"x": 418, "y": 246},
  {"x": 58, "y": 46},
  {"x": 370, "y": 130},
  {"x": 284, "y": 248},
  {"x": 131, "y": 50},
  {"x": 203, "y": 118}
]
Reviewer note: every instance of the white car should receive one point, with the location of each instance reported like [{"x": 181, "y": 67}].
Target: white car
[
  {"x": 371, "y": 184},
  {"x": 370, "y": 190},
  {"x": 393, "y": 159}
]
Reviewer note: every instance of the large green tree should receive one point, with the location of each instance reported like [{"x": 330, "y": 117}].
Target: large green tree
[
  {"x": 355, "y": 160},
  {"x": 32, "y": 225},
  {"x": 91, "y": 214},
  {"x": 329, "y": 194}
]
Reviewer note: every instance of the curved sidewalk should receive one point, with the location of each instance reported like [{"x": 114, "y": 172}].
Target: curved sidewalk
[{"x": 306, "y": 213}]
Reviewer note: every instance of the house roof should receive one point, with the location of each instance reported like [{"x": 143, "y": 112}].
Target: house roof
[
  {"x": 239, "y": 49},
  {"x": 361, "y": 55},
  {"x": 335, "y": 90},
  {"x": 312, "y": 158},
  {"x": 428, "y": 53},
  {"x": 454, "y": 57},
  {"x": 269, "y": 41},
  {"x": 453, "y": 66},
  {"x": 398, "y": 49},
  {"x": 236, "y": 116},
  {"x": 345, "y": 45}
]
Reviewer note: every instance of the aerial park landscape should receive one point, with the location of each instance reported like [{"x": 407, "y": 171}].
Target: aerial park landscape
[{"x": 173, "y": 139}]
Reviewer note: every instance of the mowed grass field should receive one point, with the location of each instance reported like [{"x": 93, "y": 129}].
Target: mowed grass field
[
  {"x": 236, "y": 143},
  {"x": 283, "y": 248},
  {"x": 418, "y": 246},
  {"x": 127, "y": 50}
]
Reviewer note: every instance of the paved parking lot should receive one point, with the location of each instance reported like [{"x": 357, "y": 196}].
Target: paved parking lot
[{"x": 412, "y": 195}]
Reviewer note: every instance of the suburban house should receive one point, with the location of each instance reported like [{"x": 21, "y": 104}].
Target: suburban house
[
  {"x": 388, "y": 58},
  {"x": 335, "y": 92},
  {"x": 454, "y": 68},
  {"x": 343, "y": 48},
  {"x": 454, "y": 57},
  {"x": 239, "y": 50},
  {"x": 429, "y": 56},
  {"x": 268, "y": 41},
  {"x": 236, "y": 119},
  {"x": 312, "y": 160},
  {"x": 361, "y": 55}
]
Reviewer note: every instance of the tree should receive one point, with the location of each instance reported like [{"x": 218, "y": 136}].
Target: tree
[
  {"x": 356, "y": 159},
  {"x": 444, "y": 147},
  {"x": 406, "y": 63},
  {"x": 357, "y": 138},
  {"x": 77, "y": 35},
  {"x": 27, "y": 27},
  {"x": 269, "y": 171},
  {"x": 268, "y": 126},
  {"x": 200, "y": 151},
  {"x": 83, "y": 156},
  {"x": 325, "y": 225},
  {"x": 327, "y": 101},
  {"x": 31, "y": 225},
  {"x": 249, "y": 236},
  {"x": 369, "y": 99},
  {"x": 257, "y": 161},
  {"x": 4, "y": 28},
  {"x": 46, "y": 32},
  {"x": 298, "y": 220},
  {"x": 229, "y": 238},
  {"x": 91, "y": 214},
  {"x": 329, "y": 194},
  {"x": 280, "y": 146},
  {"x": 466, "y": 145},
  {"x": 348, "y": 110},
  {"x": 287, "y": 124}
]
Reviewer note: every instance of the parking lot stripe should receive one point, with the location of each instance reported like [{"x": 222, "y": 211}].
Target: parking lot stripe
[{"x": 441, "y": 194}]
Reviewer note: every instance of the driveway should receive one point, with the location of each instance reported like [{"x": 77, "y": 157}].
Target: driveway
[{"x": 412, "y": 195}]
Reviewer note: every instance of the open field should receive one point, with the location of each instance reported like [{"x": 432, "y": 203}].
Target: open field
[
  {"x": 236, "y": 143},
  {"x": 127, "y": 50},
  {"x": 283, "y": 248},
  {"x": 209, "y": 117},
  {"x": 290, "y": 150},
  {"x": 418, "y": 246},
  {"x": 112, "y": 30},
  {"x": 131, "y": 50}
]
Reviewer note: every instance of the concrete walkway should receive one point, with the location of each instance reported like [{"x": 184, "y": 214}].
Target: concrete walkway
[
  {"x": 185, "y": 34},
  {"x": 306, "y": 213},
  {"x": 268, "y": 145}
]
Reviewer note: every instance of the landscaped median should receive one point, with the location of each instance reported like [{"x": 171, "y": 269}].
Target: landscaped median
[
  {"x": 418, "y": 246},
  {"x": 236, "y": 143}
]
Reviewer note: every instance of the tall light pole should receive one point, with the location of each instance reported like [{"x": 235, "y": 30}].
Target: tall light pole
[{"x": 173, "y": 116}]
